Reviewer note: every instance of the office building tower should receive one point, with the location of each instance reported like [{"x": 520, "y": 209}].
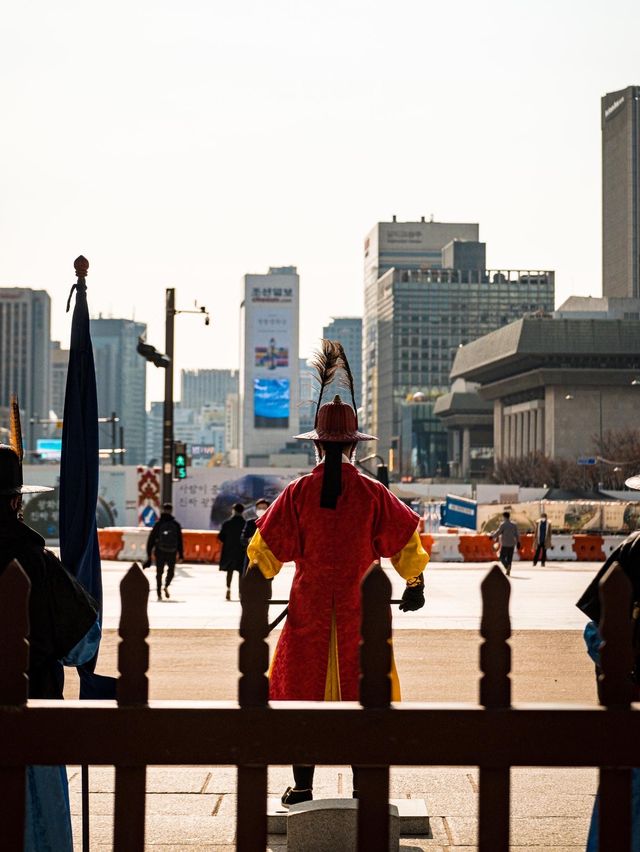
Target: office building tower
[
  {"x": 620, "y": 120},
  {"x": 417, "y": 319},
  {"x": 25, "y": 359},
  {"x": 400, "y": 246},
  {"x": 269, "y": 368},
  {"x": 206, "y": 387},
  {"x": 59, "y": 366},
  {"x": 121, "y": 377},
  {"x": 348, "y": 331}
]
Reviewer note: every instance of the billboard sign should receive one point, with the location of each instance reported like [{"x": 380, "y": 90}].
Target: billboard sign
[
  {"x": 271, "y": 398},
  {"x": 49, "y": 448},
  {"x": 459, "y": 512}
]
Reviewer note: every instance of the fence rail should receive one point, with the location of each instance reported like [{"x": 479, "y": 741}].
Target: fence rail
[{"x": 133, "y": 733}]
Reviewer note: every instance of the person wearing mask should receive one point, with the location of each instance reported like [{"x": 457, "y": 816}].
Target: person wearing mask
[
  {"x": 165, "y": 545},
  {"x": 250, "y": 527},
  {"x": 509, "y": 538},
  {"x": 333, "y": 523},
  {"x": 542, "y": 539},
  {"x": 63, "y": 630},
  {"x": 233, "y": 551}
]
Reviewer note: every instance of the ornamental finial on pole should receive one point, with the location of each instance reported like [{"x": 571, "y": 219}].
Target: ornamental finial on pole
[{"x": 81, "y": 266}]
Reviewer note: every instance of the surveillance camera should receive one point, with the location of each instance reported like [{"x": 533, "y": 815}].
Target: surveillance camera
[{"x": 206, "y": 320}]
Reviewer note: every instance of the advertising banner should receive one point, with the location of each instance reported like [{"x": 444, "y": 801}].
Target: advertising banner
[
  {"x": 459, "y": 512},
  {"x": 565, "y": 516},
  {"x": 271, "y": 398}
]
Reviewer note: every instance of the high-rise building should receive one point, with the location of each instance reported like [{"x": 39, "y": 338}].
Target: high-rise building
[
  {"x": 59, "y": 366},
  {"x": 206, "y": 387},
  {"x": 25, "y": 358},
  {"x": 348, "y": 331},
  {"x": 400, "y": 246},
  {"x": 417, "y": 319},
  {"x": 121, "y": 378},
  {"x": 620, "y": 120},
  {"x": 268, "y": 392}
]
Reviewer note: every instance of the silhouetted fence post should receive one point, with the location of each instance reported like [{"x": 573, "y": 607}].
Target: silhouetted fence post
[
  {"x": 375, "y": 694},
  {"x": 616, "y": 694},
  {"x": 132, "y": 691},
  {"x": 495, "y": 694},
  {"x": 253, "y": 691},
  {"x": 14, "y": 688}
]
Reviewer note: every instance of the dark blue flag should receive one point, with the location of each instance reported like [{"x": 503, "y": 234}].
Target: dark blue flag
[{"x": 79, "y": 468}]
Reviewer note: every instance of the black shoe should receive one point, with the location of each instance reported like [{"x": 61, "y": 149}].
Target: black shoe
[
  {"x": 166, "y": 592},
  {"x": 159, "y": 595},
  {"x": 291, "y": 796}
]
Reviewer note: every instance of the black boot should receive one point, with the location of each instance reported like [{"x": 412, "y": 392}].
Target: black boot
[{"x": 293, "y": 796}]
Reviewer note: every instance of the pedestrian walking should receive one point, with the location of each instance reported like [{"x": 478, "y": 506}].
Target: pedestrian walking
[
  {"x": 541, "y": 539},
  {"x": 233, "y": 551},
  {"x": 509, "y": 538},
  {"x": 333, "y": 523},
  {"x": 250, "y": 527},
  {"x": 165, "y": 546}
]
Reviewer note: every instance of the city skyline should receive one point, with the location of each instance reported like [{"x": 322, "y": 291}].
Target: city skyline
[{"x": 225, "y": 141}]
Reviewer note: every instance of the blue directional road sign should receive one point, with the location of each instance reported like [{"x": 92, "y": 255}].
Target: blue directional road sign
[
  {"x": 587, "y": 460},
  {"x": 149, "y": 516}
]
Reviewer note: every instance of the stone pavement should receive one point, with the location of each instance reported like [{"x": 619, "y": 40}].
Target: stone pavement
[{"x": 194, "y": 808}]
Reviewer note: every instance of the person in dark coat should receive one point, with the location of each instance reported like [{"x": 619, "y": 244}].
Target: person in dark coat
[
  {"x": 63, "y": 628},
  {"x": 165, "y": 544},
  {"x": 627, "y": 554},
  {"x": 250, "y": 527},
  {"x": 233, "y": 551}
]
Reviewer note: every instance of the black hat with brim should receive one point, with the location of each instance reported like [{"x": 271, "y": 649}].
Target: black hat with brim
[{"x": 11, "y": 475}]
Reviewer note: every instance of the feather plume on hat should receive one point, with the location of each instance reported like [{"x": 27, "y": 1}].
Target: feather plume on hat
[
  {"x": 326, "y": 363},
  {"x": 15, "y": 429}
]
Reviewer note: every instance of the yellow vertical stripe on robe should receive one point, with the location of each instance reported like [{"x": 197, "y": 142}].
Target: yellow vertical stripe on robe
[{"x": 332, "y": 690}]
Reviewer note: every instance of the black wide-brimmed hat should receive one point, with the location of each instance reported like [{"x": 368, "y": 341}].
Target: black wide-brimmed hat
[{"x": 11, "y": 475}]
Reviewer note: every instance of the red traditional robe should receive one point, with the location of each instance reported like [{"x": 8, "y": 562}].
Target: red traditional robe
[{"x": 317, "y": 656}]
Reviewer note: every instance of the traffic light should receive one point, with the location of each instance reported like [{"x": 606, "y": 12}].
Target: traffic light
[
  {"x": 151, "y": 354},
  {"x": 179, "y": 460}
]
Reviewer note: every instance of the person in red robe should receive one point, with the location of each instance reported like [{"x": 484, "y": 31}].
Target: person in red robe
[{"x": 333, "y": 523}]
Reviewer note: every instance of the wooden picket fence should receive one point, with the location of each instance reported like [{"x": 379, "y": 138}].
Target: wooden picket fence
[{"x": 133, "y": 733}]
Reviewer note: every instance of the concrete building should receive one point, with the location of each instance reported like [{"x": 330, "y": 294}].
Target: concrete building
[
  {"x": 206, "y": 387},
  {"x": 620, "y": 121},
  {"x": 59, "y": 366},
  {"x": 421, "y": 318},
  {"x": 269, "y": 364},
  {"x": 348, "y": 331},
  {"x": 468, "y": 419},
  {"x": 308, "y": 396},
  {"x": 25, "y": 358},
  {"x": 598, "y": 307},
  {"x": 400, "y": 246},
  {"x": 557, "y": 385},
  {"x": 121, "y": 378}
]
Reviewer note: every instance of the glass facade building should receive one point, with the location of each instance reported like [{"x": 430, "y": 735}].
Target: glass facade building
[{"x": 421, "y": 318}]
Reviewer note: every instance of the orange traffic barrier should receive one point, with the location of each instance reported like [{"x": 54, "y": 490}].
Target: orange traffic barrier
[
  {"x": 589, "y": 548},
  {"x": 477, "y": 548},
  {"x": 110, "y": 542},
  {"x": 201, "y": 546},
  {"x": 528, "y": 547},
  {"x": 427, "y": 542}
]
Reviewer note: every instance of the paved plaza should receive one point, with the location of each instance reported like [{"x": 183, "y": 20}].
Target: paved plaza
[{"x": 193, "y": 655}]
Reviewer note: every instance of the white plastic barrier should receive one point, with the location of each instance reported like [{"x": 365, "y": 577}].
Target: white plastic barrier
[
  {"x": 562, "y": 549},
  {"x": 446, "y": 548},
  {"x": 134, "y": 544},
  {"x": 610, "y": 542}
]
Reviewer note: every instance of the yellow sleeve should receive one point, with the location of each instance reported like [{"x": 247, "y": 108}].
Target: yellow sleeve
[
  {"x": 411, "y": 561},
  {"x": 259, "y": 554}
]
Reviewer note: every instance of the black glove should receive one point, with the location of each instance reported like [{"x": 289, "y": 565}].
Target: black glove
[
  {"x": 412, "y": 598},
  {"x": 146, "y": 563}
]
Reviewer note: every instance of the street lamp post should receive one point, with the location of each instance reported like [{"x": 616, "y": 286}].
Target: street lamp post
[{"x": 167, "y": 410}]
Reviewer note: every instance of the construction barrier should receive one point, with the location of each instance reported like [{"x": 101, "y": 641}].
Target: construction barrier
[{"x": 129, "y": 544}]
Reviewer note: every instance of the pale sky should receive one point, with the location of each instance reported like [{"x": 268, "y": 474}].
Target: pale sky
[{"x": 187, "y": 143}]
